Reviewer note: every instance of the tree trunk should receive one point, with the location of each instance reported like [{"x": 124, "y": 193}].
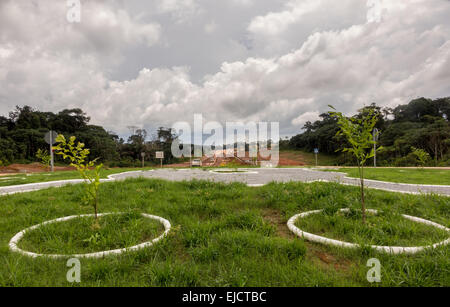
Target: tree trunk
[
  {"x": 435, "y": 154},
  {"x": 96, "y": 204},
  {"x": 363, "y": 200}
]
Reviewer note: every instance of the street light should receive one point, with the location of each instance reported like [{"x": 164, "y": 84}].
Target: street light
[{"x": 143, "y": 159}]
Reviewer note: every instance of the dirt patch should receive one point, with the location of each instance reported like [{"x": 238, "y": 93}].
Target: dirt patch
[
  {"x": 289, "y": 162},
  {"x": 274, "y": 218},
  {"x": 184, "y": 164},
  {"x": 29, "y": 168},
  {"x": 327, "y": 260},
  {"x": 315, "y": 253},
  {"x": 290, "y": 159}
]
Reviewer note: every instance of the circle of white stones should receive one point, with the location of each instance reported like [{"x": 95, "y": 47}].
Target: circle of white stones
[
  {"x": 384, "y": 249},
  {"x": 15, "y": 240}
]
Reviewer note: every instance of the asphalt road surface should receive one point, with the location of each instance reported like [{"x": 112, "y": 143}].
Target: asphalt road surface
[{"x": 252, "y": 177}]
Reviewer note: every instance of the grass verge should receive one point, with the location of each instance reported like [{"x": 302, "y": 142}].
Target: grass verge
[
  {"x": 86, "y": 235},
  {"x": 402, "y": 175},
  {"x": 55, "y": 176},
  {"x": 384, "y": 229},
  {"x": 222, "y": 235}
]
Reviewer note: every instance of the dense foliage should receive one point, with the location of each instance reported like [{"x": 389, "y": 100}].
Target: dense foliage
[
  {"x": 422, "y": 124},
  {"x": 22, "y": 136}
]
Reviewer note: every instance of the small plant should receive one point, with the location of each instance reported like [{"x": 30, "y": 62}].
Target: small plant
[
  {"x": 44, "y": 158},
  {"x": 77, "y": 154},
  {"x": 358, "y": 132},
  {"x": 234, "y": 166},
  {"x": 421, "y": 155}
]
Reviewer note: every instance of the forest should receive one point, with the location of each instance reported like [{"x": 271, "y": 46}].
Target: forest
[
  {"x": 22, "y": 135},
  {"x": 422, "y": 125}
]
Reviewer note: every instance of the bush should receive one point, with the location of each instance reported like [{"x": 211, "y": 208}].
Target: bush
[
  {"x": 409, "y": 160},
  {"x": 445, "y": 161}
]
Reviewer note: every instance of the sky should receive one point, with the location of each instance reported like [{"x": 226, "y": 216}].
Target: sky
[{"x": 156, "y": 62}]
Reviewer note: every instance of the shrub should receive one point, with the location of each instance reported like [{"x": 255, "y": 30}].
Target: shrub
[
  {"x": 422, "y": 157},
  {"x": 44, "y": 158},
  {"x": 408, "y": 160}
]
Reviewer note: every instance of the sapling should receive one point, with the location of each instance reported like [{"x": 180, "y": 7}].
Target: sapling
[
  {"x": 421, "y": 155},
  {"x": 78, "y": 157},
  {"x": 358, "y": 132},
  {"x": 44, "y": 158}
]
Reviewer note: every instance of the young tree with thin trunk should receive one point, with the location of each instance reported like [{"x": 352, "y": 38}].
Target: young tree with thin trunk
[
  {"x": 359, "y": 133},
  {"x": 77, "y": 155}
]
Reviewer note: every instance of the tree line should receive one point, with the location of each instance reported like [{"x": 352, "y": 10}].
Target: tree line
[
  {"x": 421, "y": 125},
  {"x": 22, "y": 135}
]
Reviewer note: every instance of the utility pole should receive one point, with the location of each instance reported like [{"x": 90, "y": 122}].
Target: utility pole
[{"x": 50, "y": 138}]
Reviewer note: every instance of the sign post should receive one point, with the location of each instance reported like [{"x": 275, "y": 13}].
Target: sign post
[
  {"x": 50, "y": 138},
  {"x": 316, "y": 152},
  {"x": 143, "y": 159},
  {"x": 160, "y": 155}
]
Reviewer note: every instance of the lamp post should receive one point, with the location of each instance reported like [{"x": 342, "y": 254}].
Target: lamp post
[{"x": 143, "y": 159}]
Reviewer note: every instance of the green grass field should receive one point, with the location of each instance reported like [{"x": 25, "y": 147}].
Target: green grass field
[
  {"x": 402, "y": 175},
  {"x": 87, "y": 235},
  {"x": 383, "y": 229},
  {"x": 222, "y": 235},
  {"x": 59, "y": 175}
]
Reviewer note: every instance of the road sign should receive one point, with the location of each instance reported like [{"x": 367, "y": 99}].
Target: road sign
[
  {"x": 316, "y": 152},
  {"x": 160, "y": 155},
  {"x": 143, "y": 159},
  {"x": 50, "y": 137}
]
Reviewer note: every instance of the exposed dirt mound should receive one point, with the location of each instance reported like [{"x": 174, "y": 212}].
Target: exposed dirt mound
[{"x": 30, "y": 168}]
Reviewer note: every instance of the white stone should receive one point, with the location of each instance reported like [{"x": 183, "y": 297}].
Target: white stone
[
  {"x": 15, "y": 240},
  {"x": 384, "y": 249}
]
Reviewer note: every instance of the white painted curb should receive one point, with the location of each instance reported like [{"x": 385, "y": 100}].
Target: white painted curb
[
  {"x": 383, "y": 249},
  {"x": 15, "y": 240}
]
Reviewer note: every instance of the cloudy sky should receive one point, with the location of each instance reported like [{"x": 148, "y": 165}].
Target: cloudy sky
[{"x": 154, "y": 62}]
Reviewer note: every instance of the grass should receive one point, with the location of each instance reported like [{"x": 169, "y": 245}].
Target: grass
[
  {"x": 402, "y": 175},
  {"x": 383, "y": 229},
  {"x": 86, "y": 235},
  {"x": 222, "y": 235},
  {"x": 59, "y": 175}
]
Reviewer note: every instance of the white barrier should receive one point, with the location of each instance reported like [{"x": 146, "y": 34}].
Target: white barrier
[
  {"x": 15, "y": 240},
  {"x": 385, "y": 249}
]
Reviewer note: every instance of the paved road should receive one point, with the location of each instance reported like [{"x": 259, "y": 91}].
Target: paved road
[{"x": 254, "y": 177}]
